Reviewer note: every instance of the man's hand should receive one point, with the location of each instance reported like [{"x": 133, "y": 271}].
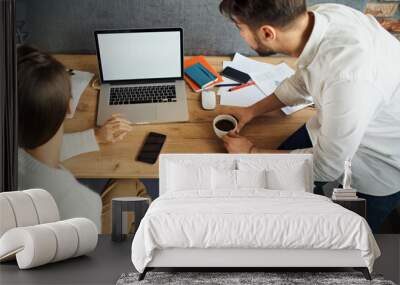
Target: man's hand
[
  {"x": 245, "y": 115},
  {"x": 242, "y": 114},
  {"x": 235, "y": 143},
  {"x": 115, "y": 129}
]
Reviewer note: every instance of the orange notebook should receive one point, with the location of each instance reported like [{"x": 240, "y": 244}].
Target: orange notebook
[{"x": 200, "y": 59}]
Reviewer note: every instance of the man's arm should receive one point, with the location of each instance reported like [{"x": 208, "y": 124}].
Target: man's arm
[
  {"x": 292, "y": 91},
  {"x": 268, "y": 104},
  {"x": 264, "y": 150},
  {"x": 235, "y": 143},
  {"x": 246, "y": 114},
  {"x": 348, "y": 108}
]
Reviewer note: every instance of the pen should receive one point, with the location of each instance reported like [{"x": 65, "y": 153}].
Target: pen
[
  {"x": 228, "y": 85},
  {"x": 242, "y": 86}
]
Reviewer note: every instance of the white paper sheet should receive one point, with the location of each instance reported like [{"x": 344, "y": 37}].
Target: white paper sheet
[
  {"x": 268, "y": 82},
  {"x": 250, "y": 66},
  {"x": 79, "y": 82},
  {"x": 267, "y": 78},
  {"x": 242, "y": 97},
  {"x": 292, "y": 109}
]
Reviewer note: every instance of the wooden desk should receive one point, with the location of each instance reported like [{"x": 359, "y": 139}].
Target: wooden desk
[{"x": 195, "y": 136}]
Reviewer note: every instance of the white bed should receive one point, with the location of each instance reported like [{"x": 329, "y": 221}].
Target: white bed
[{"x": 199, "y": 224}]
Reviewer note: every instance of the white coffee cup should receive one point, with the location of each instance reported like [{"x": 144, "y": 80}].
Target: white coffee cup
[{"x": 221, "y": 133}]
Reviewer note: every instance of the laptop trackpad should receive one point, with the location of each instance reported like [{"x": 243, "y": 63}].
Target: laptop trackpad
[{"x": 142, "y": 113}]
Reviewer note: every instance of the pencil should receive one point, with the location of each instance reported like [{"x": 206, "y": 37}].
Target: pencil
[{"x": 242, "y": 86}]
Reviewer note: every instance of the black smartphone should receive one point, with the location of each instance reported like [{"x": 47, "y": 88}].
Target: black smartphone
[
  {"x": 151, "y": 148},
  {"x": 235, "y": 74}
]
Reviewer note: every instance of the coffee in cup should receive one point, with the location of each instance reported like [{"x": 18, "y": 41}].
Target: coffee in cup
[{"x": 223, "y": 124}]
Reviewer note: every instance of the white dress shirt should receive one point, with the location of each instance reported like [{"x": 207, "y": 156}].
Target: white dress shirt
[{"x": 350, "y": 68}]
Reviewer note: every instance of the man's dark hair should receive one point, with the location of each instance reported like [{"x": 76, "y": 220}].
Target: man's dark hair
[
  {"x": 255, "y": 13},
  {"x": 44, "y": 92}
]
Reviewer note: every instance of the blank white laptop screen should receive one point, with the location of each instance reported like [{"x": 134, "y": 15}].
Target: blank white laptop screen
[{"x": 140, "y": 55}]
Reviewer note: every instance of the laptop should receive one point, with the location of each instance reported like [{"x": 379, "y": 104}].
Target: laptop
[{"x": 141, "y": 74}]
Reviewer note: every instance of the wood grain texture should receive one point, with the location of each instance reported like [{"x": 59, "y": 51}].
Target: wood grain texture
[{"x": 195, "y": 136}]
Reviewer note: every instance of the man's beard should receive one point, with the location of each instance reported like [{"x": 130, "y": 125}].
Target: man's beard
[{"x": 262, "y": 51}]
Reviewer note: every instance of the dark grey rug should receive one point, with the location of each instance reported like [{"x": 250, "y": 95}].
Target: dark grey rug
[{"x": 243, "y": 278}]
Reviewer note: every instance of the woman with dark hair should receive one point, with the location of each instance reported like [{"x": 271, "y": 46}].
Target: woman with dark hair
[{"x": 44, "y": 98}]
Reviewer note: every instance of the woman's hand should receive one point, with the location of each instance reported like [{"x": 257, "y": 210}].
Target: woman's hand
[{"x": 113, "y": 130}]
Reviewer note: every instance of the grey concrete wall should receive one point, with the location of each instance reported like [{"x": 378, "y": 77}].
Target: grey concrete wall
[{"x": 67, "y": 25}]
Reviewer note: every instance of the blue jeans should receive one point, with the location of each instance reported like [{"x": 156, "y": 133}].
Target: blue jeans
[{"x": 378, "y": 207}]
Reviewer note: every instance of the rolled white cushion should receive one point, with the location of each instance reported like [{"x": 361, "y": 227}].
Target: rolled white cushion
[
  {"x": 33, "y": 246},
  {"x": 67, "y": 239},
  {"x": 46, "y": 207},
  {"x": 7, "y": 218},
  {"x": 87, "y": 234},
  {"x": 23, "y": 208},
  {"x": 41, "y": 244}
]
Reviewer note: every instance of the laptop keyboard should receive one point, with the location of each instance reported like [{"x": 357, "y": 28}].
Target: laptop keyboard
[{"x": 142, "y": 95}]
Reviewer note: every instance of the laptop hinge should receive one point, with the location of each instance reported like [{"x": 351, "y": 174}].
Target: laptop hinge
[{"x": 145, "y": 81}]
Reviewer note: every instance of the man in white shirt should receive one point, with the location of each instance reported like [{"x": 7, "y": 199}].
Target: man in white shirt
[{"x": 349, "y": 66}]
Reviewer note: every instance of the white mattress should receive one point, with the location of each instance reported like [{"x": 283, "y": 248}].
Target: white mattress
[{"x": 252, "y": 218}]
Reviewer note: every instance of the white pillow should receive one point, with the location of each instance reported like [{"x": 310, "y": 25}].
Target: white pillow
[
  {"x": 284, "y": 162},
  {"x": 224, "y": 179},
  {"x": 251, "y": 179},
  {"x": 182, "y": 177},
  {"x": 186, "y": 174},
  {"x": 291, "y": 179},
  {"x": 235, "y": 179},
  {"x": 282, "y": 173}
]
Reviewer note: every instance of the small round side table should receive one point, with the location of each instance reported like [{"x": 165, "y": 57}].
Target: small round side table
[{"x": 120, "y": 208}]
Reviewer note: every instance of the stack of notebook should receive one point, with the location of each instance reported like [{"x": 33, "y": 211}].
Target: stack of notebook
[
  {"x": 344, "y": 194},
  {"x": 199, "y": 74}
]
